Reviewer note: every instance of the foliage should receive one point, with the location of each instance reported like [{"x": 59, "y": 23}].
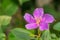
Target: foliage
[{"x": 57, "y": 26}]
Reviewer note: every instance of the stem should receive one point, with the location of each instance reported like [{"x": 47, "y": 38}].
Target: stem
[{"x": 39, "y": 33}]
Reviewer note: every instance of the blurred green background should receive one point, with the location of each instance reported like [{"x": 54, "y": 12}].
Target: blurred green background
[{"x": 12, "y": 23}]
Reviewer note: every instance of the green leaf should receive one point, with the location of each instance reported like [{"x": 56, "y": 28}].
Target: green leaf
[
  {"x": 5, "y": 20},
  {"x": 57, "y": 26},
  {"x": 58, "y": 38},
  {"x": 19, "y": 34},
  {"x": 23, "y": 1},
  {"x": 8, "y": 7},
  {"x": 53, "y": 35},
  {"x": 46, "y": 35},
  {"x": 2, "y": 35}
]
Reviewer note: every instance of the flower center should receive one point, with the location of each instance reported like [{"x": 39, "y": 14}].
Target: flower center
[{"x": 38, "y": 20}]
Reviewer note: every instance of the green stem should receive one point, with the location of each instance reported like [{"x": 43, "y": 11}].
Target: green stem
[{"x": 39, "y": 33}]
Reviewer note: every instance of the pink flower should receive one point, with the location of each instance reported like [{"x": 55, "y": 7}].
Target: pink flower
[{"x": 38, "y": 20}]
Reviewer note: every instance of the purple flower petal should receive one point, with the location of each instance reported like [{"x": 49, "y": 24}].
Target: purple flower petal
[
  {"x": 44, "y": 26},
  {"x": 48, "y": 18},
  {"x": 29, "y": 18},
  {"x": 38, "y": 12},
  {"x": 31, "y": 26}
]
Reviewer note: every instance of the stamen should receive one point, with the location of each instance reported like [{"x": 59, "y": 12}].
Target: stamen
[{"x": 37, "y": 21}]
